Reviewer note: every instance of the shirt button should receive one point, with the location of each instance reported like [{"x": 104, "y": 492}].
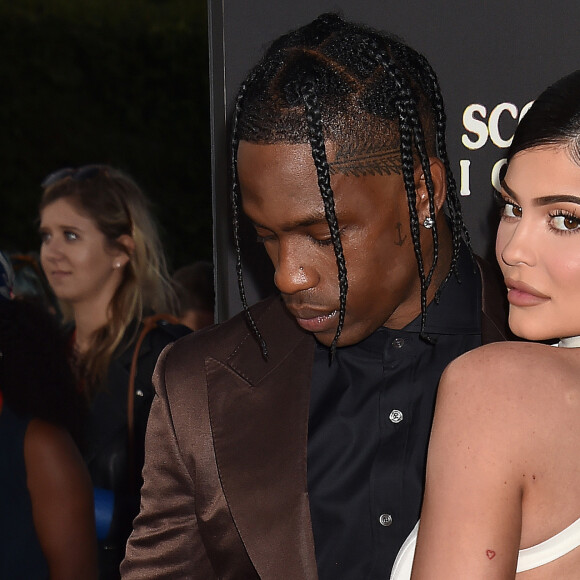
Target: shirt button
[
  {"x": 396, "y": 416},
  {"x": 139, "y": 393},
  {"x": 386, "y": 520},
  {"x": 398, "y": 343}
]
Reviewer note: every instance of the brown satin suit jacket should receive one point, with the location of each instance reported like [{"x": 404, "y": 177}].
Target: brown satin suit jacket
[{"x": 225, "y": 493}]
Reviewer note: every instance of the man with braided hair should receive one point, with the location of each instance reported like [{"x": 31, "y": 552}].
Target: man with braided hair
[{"x": 290, "y": 441}]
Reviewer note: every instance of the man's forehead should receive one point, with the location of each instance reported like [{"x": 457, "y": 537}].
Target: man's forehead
[{"x": 347, "y": 159}]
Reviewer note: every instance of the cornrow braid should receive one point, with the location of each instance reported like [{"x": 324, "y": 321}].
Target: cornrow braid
[
  {"x": 459, "y": 231},
  {"x": 365, "y": 91},
  {"x": 412, "y": 137},
  {"x": 235, "y": 200},
  {"x": 314, "y": 120}
]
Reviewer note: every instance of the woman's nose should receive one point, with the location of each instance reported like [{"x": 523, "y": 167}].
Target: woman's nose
[
  {"x": 514, "y": 245},
  {"x": 50, "y": 250}
]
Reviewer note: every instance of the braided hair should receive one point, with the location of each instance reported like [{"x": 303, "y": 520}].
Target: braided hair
[{"x": 376, "y": 99}]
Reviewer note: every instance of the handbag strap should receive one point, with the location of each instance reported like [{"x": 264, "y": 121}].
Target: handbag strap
[{"x": 149, "y": 323}]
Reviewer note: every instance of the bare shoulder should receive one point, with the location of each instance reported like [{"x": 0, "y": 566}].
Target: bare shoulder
[
  {"x": 43, "y": 437},
  {"x": 506, "y": 352},
  {"x": 507, "y": 382},
  {"x": 506, "y": 364},
  {"x": 51, "y": 454}
]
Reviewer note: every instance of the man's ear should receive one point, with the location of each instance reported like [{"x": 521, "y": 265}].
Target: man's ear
[
  {"x": 439, "y": 188},
  {"x": 126, "y": 245}
]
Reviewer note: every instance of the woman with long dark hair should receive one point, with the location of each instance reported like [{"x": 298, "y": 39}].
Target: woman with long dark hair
[{"x": 503, "y": 474}]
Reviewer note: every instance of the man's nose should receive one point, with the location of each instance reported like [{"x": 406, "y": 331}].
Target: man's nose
[{"x": 294, "y": 271}]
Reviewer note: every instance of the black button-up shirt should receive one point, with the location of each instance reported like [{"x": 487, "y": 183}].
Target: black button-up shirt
[{"x": 371, "y": 411}]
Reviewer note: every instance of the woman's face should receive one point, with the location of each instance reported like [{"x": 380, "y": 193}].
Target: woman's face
[
  {"x": 538, "y": 243},
  {"x": 81, "y": 267}
]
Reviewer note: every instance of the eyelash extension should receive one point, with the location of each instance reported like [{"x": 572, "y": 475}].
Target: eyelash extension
[
  {"x": 499, "y": 199},
  {"x": 565, "y": 214},
  {"x": 502, "y": 200}
]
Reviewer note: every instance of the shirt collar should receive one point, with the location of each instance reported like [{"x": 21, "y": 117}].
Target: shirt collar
[{"x": 458, "y": 310}]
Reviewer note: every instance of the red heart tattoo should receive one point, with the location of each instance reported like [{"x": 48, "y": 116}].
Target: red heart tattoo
[{"x": 490, "y": 554}]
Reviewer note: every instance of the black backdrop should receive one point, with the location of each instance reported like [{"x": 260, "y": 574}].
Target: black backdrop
[{"x": 492, "y": 59}]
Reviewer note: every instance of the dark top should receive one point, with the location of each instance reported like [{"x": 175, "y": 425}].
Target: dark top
[
  {"x": 107, "y": 439},
  {"x": 370, "y": 419},
  {"x": 20, "y": 554}
]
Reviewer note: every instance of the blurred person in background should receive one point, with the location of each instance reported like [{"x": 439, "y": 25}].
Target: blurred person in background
[
  {"x": 47, "y": 526},
  {"x": 31, "y": 283},
  {"x": 6, "y": 277},
  {"x": 103, "y": 259},
  {"x": 194, "y": 287}
]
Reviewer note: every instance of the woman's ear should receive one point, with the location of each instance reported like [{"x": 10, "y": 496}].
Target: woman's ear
[
  {"x": 126, "y": 248},
  {"x": 439, "y": 188}
]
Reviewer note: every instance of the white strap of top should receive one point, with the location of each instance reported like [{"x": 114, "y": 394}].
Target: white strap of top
[
  {"x": 570, "y": 342},
  {"x": 550, "y": 550},
  {"x": 529, "y": 558}
]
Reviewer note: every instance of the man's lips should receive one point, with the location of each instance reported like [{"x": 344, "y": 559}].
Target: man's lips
[
  {"x": 522, "y": 294},
  {"x": 314, "y": 320}
]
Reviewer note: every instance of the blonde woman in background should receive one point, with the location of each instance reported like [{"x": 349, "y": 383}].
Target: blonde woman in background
[{"x": 103, "y": 259}]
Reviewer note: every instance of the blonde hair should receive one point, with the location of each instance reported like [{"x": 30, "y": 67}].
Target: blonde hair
[{"x": 118, "y": 207}]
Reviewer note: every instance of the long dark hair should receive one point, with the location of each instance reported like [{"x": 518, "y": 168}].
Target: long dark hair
[
  {"x": 553, "y": 119},
  {"x": 369, "y": 93}
]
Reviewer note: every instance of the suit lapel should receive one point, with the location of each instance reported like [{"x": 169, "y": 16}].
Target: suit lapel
[
  {"x": 259, "y": 421},
  {"x": 494, "y": 306}
]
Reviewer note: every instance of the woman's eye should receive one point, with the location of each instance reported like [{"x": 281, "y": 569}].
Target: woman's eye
[
  {"x": 511, "y": 210},
  {"x": 44, "y": 237},
  {"x": 70, "y": 236},
  {"x": 565, "y": 223}
]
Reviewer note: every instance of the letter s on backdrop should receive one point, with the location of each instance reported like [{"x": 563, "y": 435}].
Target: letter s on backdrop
[{"x": 474, "y": 125}]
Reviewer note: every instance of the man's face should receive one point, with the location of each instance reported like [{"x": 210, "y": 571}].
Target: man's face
[{"x": 281, "y": 197}]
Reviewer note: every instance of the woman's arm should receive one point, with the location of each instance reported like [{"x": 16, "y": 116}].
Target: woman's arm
[
  {"x": 62, "y": 502},
  {"x": 471, "y": 519}
]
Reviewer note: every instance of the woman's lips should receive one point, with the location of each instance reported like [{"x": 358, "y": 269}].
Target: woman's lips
[
  {"x": 521, "y": 294},
  {"x": 58, "y": 275}
]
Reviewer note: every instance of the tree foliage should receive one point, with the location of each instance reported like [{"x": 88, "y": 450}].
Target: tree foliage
[{"x": 121, "y": 82}]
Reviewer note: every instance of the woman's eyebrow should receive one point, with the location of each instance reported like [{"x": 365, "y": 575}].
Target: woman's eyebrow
[
  {"x": 544, "y": 199},
  {"x": 509, "y": 190},
  {"x": 548, "y": 199}
]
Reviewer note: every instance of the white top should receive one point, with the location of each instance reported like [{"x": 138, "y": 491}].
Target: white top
[
  {"x": 529, "y": 558},
  {"x": 570, "y": 342}
]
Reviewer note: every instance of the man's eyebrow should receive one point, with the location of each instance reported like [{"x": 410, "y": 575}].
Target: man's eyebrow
[
  {"x": 544, "y": 199},
  {"x": 307, "y": 221}
]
